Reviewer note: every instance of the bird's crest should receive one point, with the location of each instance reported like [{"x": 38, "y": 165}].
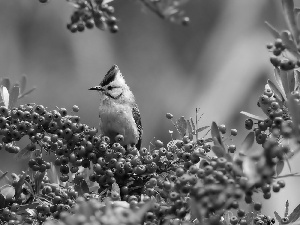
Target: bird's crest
[{"x": 110, "y": 75}]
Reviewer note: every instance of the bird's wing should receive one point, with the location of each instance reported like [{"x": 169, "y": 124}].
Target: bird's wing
[{"x": 137, "y": 118}]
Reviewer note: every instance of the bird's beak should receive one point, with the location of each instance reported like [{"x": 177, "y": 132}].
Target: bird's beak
[{"x": 97, "y": 88}]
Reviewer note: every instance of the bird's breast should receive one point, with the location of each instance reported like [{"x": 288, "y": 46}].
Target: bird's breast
[{"x": 118, "y": 119}]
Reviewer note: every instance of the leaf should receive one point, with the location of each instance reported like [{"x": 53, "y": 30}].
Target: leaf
[
  {"x": 295, "y": 214},
  {"x": 294, "y": 110},
  {"x": 29, "y": 187},
  {"x": 27, "y": 93},
  {"x": 181, "y": 125},
  {"x": 38, "y": 177},
  {"x": 52, "y": 174},
  {"x": 272, "y": 30},
  {"x": 219, "y": 152},
  {"x": 288, "y": 11},
  {"x": 13, "y": 96},
  {"x": 252, "y": 116},
  {"x": 2, "y": 201},
  {"x": 297, "y": 78},
  {"x": 278, "y": 94},
  {"x": 3, "y": 175},
  {"x": 18, "y": 187},
  {"x": 106, "y": 1},
  {"x": 288, "y": 42},
  {"x": 278, "y": 78},
  {"x": 248, "y": 142},
  {"x": 201, "y": 129},
  {"x": 190, "y": 130},
  {"x": 250, "y": 170},
  {"x": 278, "y": 218},
  {"x": 27, "y": 206},
  {"x": 288, "y": 163},
  {"x": 195, "y": 210},
  {"x": 279, "y": 167},
  {"x": 23, "y": 154},
  {"x": 81, "y": 187},
  {"x": 4, "y": 95},
  {"x": 6, "y": 83},
  {"x": 192, "y": 124},
  {"x": 8, "y": 192},
  {"x": 215, "y": 134},
  {"x": 285, "y": 75},
  {"x": 23, "y": 83}
]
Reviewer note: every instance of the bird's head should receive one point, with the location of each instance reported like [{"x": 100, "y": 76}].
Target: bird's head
[{"x": 114, "y": 87}]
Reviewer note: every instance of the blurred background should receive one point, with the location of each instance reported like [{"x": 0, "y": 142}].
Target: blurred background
[{"x": 218, "y": 63}]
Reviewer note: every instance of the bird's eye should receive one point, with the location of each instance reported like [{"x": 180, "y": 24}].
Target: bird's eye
[{"x": 109, "y": 88}]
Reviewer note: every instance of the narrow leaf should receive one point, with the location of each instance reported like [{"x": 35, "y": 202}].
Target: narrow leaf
[
  {"x": 13, "y": 96},
  {"x": 288, "y": 163},
  {"x": 29, "y": 206},
  {"x": 2, "y": 201},
  {"x": 294, "y": 110},
  {"x": 23, "y": 154},
  {"x": 27, "y": 93},
  {"x": 297, "y": 78},
  {"x": 3, "y": 175},
  {"x": 52, "y": 174},
  {"x": 38, "y": 177},
  {"x": 276, "y": 92},
  {"x": 215, "y": 133},
  {"x": 278, "y": 78},
  {"x": 252, "y": 116},
  {"x": 4, "y": 95},
  {"x": 284, "y": 78},
  {"x": 23, "y": 83},
  {"x": 279, "y": 167},
  {"x": 295, "y": 214},
  {"x": 29, "y": 187},
  {"x": 18, "y": 187},
  {"x": 248, "y": 142},
  {"x": 272, "y": 30},
  {"x": 190, "y": 130},
  {"x": 6, "y": 83},
  {"x": 193, "y": 124},
  {"x": 291, "y": 81},
  {"x": 288, "y": 11},
  {"x": 201, "y": 129},
  {"x": 278, "y": 218}
]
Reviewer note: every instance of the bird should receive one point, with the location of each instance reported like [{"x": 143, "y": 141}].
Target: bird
[{"x": 118, "y": 111}]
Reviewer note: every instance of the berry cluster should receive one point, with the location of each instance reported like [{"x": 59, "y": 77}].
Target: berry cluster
[
  {"x": 93, "y": 13},
  {"x": 277, "y": 48},
  {"x": 98, "y": 13}
]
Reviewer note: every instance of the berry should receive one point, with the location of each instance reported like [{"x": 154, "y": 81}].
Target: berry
[
  {"x": 233, "y": 132},
  {"x": 257, "y": 206},
  {"x": 234, "y": 220},
  {"x": 248, "y": 124},
  {"x": 222, "y": 129},
  {"x": 75, "y": 108},
  {"x": 169, "y": 116}
]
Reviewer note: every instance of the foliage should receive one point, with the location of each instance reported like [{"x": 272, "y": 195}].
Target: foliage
[
  {"x": 193, "y": 179},
  {"x": 101, "y": 14}
]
